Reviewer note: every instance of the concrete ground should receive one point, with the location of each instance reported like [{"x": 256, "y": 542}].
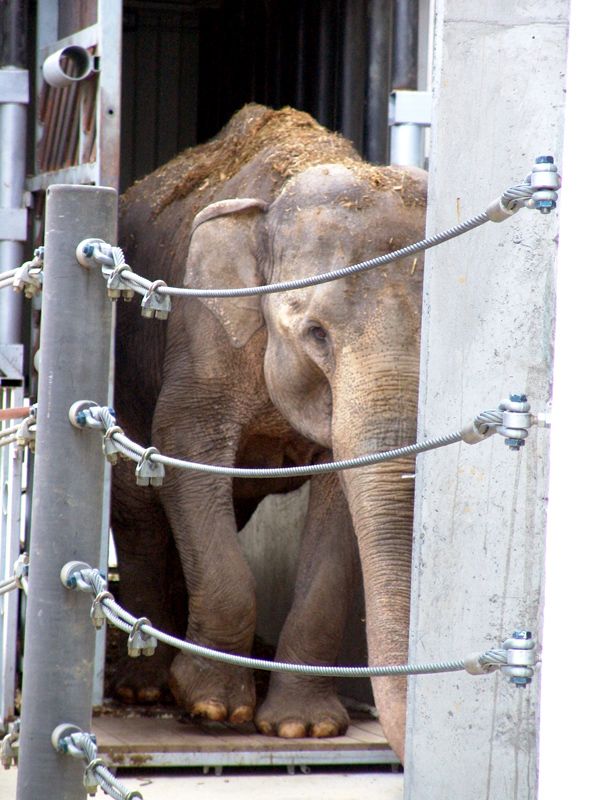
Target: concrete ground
[{"x": 250, "y": 785}]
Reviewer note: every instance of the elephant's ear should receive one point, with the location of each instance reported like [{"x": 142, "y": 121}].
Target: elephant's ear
[{"x": 223, "y": 254}]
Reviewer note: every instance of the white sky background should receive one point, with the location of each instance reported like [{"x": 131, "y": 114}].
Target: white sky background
[{"x": 570, "y": 710}]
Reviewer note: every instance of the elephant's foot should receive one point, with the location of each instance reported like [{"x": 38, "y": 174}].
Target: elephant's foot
[
  {"x": 143, "y": 680},
  {"x": 297, "y": 709},
  {"x": 211, "y": 690}
]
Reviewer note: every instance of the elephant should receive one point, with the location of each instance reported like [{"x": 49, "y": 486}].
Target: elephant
[{"x": 291, "y": 378}]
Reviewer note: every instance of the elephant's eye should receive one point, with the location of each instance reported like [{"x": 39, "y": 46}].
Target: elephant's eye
[{"x": 318, "y": 333}]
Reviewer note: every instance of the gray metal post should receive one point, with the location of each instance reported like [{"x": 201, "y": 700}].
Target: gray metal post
[{"x": 68, "y": 485}]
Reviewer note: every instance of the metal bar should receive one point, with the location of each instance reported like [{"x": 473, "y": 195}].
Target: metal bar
[
  {"x": 82, "y": 173},
  {"x": 247, "y": 758},
  {"x": 410, "y": 116},
  {"x": 13, "y": 129},
  {"x": 326, "y": 60},
  {"x": 380, "y": 15},
  {"x": 11, "y": 465},
  {"x": 13, "y": 42},
  {"x": 67, "y": 502},
  {"x": 108, "y": 144},
  {"x": 108, "y": 103},
  {"x": 11, "y": 363},
  {"x": 405, "y": 44},
  {"x": 14, "y": 85},
  {"x": 353, "y": 73},
  {"x": 87, "y": 37}
]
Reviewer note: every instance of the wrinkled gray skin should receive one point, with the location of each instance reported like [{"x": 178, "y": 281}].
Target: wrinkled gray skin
[{"x": 293, "y": 378}]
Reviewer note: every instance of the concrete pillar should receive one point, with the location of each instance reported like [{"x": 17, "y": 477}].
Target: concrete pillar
[{"x": 487, "y": 331}]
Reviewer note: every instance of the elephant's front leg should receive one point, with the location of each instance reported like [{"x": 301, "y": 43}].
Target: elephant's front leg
[
  {"x": 298, "y": 706},
  {"x": 222, "y": 605}
]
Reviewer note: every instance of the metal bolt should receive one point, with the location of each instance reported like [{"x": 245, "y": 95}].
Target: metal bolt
[
  {"x": 545, "y": 206},
  {"x": 88, "y": 250},
  {"x": 520, "y": 683},
  {"x": 544, "y": 160},
  {"x": 518, "y": 398},
  {"x": 81, "y": 418},
  {"x": 514, "y": 444},
  {"x": 521, "y": 635}
]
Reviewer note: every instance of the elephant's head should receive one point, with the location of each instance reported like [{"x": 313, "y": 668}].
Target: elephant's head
[{"x": 341, "y": 360}]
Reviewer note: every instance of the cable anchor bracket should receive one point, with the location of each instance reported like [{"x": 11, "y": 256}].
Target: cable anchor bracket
[
  {"x": 516, "y": 421},
  {"x": 92, "y": 253},
  {"x": 538, "y": 191},
  {"x": 520, "y": 658},
  {"x": 71, "y": 576}
]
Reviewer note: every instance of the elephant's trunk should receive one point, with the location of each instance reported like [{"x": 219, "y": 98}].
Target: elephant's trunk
[{"x": 381, "y": 503}]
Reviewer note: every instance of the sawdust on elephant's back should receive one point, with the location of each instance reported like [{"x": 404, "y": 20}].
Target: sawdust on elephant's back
[{"x": 288, "y": 140}]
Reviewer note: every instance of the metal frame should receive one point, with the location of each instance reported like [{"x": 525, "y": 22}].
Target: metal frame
[
  {"x": 105, "y": 39},
  {"x": 11, "y": 476},
  {"x": 252, "y": 758}
]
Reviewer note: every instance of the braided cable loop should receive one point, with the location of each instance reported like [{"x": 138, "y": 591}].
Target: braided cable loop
[{"x": 83, "y": 745}]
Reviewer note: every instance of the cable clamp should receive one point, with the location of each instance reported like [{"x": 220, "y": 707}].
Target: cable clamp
[
  {"x": 109, "y": 448},
  {"x": 139, "y": 642},
  {"x": 25, "y": 435},
  {"x": 90, "y": 781},
  {"x": 149, "y": 472},
  {"x": 29, "y": 276},
  {"x": 9, "y": 747},
  {"x": 155, "y": 304},
  {"x": 520, "y": 658},
  {"x": 21, "y": 570},
  {"x": 97, "y": 612},
  {"x": 115, "y": 285}
]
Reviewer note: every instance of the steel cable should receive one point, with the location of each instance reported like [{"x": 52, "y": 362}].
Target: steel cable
[
  {"x": 141, "y": 285},
  {"x": 122, "y": 619},
  {"x": 81, "y": 744},
  {"x": 134, "y": 451}
]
